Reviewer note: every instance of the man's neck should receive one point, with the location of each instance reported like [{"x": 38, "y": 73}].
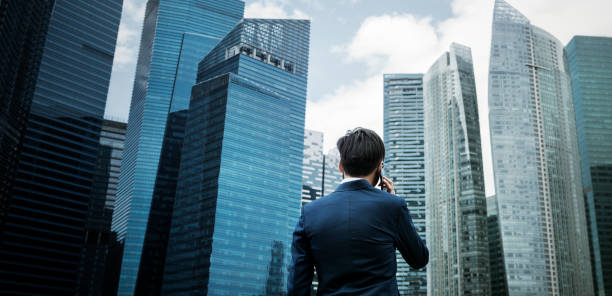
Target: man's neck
[{"x": 369, "y": 178}]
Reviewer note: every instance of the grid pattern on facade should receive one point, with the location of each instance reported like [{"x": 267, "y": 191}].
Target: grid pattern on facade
[
  {"x": 535, "y": 160},
  {"x": 590, "y": 67},
  {"x": 405, "y": 161},
  {"x": 456, "y": 214}
]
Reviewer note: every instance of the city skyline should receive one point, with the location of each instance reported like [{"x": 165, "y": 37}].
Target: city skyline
[
  {"x": 201, "y": 189},
  {"x": 346, "y": 67}
]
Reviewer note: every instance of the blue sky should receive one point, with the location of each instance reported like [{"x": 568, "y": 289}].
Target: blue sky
[{"x": 353, "y": 42}]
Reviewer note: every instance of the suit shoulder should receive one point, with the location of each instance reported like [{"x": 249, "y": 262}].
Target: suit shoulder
[{"x": 394, "y": 199}]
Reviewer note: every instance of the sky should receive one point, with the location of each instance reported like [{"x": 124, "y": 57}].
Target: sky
[{"x": 353, "y": 42}]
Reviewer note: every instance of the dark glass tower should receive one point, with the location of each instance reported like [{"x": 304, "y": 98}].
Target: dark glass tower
[
  {"x": 43, "y": 234},
  {"x": 98, "y": 236},
  {"x": 176, "y": 35},
  {"x": 240, "y": 177},
  {"x": 590, "y": 68},
  {"x": 405, "y": 161},
  {"x": 23, "y": 28},
  {"x": 496, "y": 256}
]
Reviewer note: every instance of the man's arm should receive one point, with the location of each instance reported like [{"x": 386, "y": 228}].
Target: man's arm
[
  {"x": 408, "y": 241},
  {"x": 302, "y": 268}
]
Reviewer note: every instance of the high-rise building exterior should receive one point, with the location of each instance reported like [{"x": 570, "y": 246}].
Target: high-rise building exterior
[
  {"x": 496, "y": 256},
  {"x": 331, "y": 174},
  {"x": 22, "y": 35},
  {"x": 405, "y": 161},
  {"x": 590, "y": 67},
  {"x": 98, "y": 236},
  {"x": 176, "y": 36},
  {"x": 312, "y": 167},
  {"x": 456, "y": 210},
  {"x": 43, "y": 233},
  {"x": 536, "y": 161},
  {"x": 240, "y": 176}
]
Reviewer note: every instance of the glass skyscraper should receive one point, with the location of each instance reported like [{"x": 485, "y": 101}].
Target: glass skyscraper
[
  {"x": 43, "y": 234},
  {"x": 405, "y": 161},
  {"x": 590, "y": 67},
  {"x": 98, "y": 236},
  {"x": 536, "y": 161},
  {"x": 456, "y": 210},
  {"x": 22, "y": 35},
  {"x": 176, "y": 36},
  {"x": 240, "y": 176},
  {"x": 312, "y": 166}
]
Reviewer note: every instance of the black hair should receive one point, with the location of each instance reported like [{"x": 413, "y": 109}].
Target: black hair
[{"x": 361, "y": 150}]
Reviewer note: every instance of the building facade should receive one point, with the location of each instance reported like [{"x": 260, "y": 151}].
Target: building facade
[
  {"x": 240, "y": 175},
  {"x": 496, "y": 256},
  {"x": 332, "y": 177},
  {"x": 536, "y": 161},
  {"x": 456, "y": 212},
  {"x": 176, "y": 36},
  {"x": 22, "y": 36},
  {"x": 43, "y": 233},
  {"x": 312, "y": 167},
  {"x": 590, "y": 63},
  {"x": 98, "y": 237},
  {"x": 405, "y": 161}
]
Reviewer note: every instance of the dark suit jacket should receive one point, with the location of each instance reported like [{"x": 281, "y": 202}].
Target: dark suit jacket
[{"x": 350, "y": 236}]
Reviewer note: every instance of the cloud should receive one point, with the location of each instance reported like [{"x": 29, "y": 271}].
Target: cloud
[
  {"x": 405, "y": 43},
  {"x": 126, "y": 51},
  {"x": 272, "y": 9}
]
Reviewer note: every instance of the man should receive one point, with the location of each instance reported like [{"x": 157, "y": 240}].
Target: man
[{"x": 350, "y": 236}]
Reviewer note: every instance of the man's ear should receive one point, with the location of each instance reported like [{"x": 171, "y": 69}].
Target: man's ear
[{"x": 340, "y": 167}]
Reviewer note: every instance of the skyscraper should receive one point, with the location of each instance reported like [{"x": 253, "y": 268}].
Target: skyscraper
[
  {"x": 240, "y": 175},
  {"x": 496, "y": 256},
  {"x": 535, "y": 160},
  {"x": 590, "y": 64},
  {"x": 456, "y": 207},
  {"x": 176, "y": 36},
  {"x": 98, "y": 236},
  {"x": 22, "y": 36},
  {"x": 331, "y": 174},
  {"x": 312, "y": 166},
  {"x": 405, "y": 161},
  {"x": 43, "y": 233}
]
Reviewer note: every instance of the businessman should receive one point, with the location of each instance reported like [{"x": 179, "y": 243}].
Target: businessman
[{"x": 351, "y": 235}]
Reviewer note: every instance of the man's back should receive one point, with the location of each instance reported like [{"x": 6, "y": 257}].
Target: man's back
[{"x": 351, "y": 236}]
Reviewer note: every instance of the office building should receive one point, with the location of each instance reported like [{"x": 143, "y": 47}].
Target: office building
[
  {"x": 176, "y": 35},
  {"x": 332, "y": 177},
  {"x": 496, "y": 256},
  {"x": 98, "y": 236},
  {"x": 536, "y": 161},
  {"x": 590, "y": 67},
  {"x": 240, "y": 176},
  {"x": 456, "y": 207},
  {"x": 312, "y": 166},
  {"x": 405, "y": 161},
  {"x": 42, "y": 236},
  {"x": 22, "y": 36}
]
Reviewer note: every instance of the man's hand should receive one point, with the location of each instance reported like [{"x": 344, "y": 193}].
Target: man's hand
[{"x": 388, "y": 185}]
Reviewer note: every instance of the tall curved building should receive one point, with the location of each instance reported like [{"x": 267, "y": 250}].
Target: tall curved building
[
  {"x": 456, "y": 209},
  {"x": 535, "y": 160}
]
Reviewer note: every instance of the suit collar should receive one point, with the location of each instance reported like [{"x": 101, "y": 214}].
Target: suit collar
[{"x": 354, "y": 185}]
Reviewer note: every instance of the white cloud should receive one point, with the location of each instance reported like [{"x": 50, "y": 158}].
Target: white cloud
[
  {"x": 126, "y": 51},
  {"x": 404, "y": 43},
  {"x": 272, "y": 9}
]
